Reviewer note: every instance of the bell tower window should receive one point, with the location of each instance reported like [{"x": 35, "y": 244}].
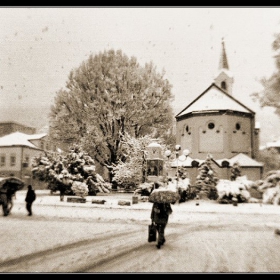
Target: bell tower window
[{"x": 224, "y": 85}]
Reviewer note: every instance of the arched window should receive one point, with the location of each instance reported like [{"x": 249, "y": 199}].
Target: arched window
[
  {"x": 225, "y": 163},
  {"x": 237, "y": 126},
  {"x": 195, "y": 163},
  {"x": 224, "y": 85}
]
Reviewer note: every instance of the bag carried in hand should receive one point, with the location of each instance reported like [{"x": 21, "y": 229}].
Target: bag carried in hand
[{"x": 152, "y": 233}]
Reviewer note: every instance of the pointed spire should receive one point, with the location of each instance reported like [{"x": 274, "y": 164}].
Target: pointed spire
[{"x": 223, "y": 60}]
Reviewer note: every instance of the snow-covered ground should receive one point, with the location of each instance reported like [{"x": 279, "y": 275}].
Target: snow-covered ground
[{"x": 208, "y": 237}]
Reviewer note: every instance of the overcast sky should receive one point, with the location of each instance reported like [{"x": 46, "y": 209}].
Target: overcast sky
[{"x": 39, "y": 47}]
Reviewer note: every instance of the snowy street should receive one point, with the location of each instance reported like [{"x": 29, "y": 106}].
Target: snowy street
[{"x": 110, "y": 238}]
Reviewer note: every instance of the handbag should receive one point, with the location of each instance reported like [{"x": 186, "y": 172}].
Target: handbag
[{"x": 152, "y": 230}]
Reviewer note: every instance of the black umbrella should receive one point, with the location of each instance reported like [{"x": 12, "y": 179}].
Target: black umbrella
[{"x": 12, "y": 184}]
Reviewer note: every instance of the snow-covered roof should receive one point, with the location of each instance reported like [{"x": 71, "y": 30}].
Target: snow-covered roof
[
  {"x": 36, "y": 136},
  {"x": 258, "y": 125},
  {"x": 20, "y": 139},
  {"x": 273, "y": 144},
  {"x": 244, "y": 160},
  {"x": 153, "y": 145},
  {"x": 214, "y": 99}
]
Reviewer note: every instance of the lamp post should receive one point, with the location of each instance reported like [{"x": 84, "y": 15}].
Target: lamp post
[{"x": 183, "y": 157}]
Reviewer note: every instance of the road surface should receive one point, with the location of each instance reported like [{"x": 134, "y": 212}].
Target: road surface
[{"x": 204, "y": 242}]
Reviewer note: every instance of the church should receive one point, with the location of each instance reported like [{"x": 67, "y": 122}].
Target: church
[{"x": 217, "y": 125}]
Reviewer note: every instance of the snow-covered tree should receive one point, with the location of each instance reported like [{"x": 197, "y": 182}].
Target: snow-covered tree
[
  {"x": 269, "y": 95},
  {"x": 207, "y": 180},
  {"x": 130, "y": 171},
  {"x": 235, "y": 171},
  {"x": 61, "y": 171},
  {"x": 108, "y": 95}
]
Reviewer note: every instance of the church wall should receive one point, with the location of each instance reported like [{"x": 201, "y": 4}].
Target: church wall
[
  {"x": 240, "y": 131},
  {"x": 223, "y": 136},
  {"x": 252, "y": 173},
  {"x": 256, "y": 146}
]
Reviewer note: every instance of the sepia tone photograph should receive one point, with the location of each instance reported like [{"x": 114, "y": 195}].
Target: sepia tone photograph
[{"x": 139, "y": 140}]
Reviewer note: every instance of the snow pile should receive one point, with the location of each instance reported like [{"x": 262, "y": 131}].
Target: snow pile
[{"x": 238, "y": 190}]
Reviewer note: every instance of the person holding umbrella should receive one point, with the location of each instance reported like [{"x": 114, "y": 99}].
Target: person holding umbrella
[{"x": 159, "y": 215}]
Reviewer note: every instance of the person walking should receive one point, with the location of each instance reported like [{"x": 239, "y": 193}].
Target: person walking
[
  {"x": 29, "y": 199},
  {"x": 4, "y": 201},
  {"x": 159, "y": 215},
  {"x": 6, "y": 198}
]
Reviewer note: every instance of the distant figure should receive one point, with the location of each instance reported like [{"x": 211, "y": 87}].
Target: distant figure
[
  {"x": 4, "y": 201},
  {"x": 62, "y": 190},
  {"x": 29, "y": 199},
  {"x": 6, "y": 198},
  {"x": 10, "y": 194}
]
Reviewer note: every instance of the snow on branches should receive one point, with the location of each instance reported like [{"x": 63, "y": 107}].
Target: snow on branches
[
  {"x": 130, "y": 171},
  {"x": 63, "y": 171}
]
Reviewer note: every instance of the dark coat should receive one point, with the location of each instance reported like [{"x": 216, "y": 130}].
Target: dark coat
[
  {"x": 160, "y": 212},
  {"x": 30, "y": 196}
]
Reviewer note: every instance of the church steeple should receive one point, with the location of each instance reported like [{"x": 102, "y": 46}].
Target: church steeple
[
  {"x": 223, "y": 59},
  {"x": 224, "y": 79}
]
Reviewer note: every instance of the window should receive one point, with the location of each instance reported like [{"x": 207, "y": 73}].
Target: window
[
  {"x": 26, "y": 161},
  {"x": 13, "y": 160},
  {"x": 2, "y": 160},
  {"x": 42, "y": 145},
  {"x": 237, "y": 126},
  {"x": 211, "y": 125},
  {"x": 224, "y": 85},
  {"x": 187, "y": 128}
]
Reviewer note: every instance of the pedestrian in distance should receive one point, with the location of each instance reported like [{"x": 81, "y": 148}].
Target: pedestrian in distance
[
  {"x": 4, "y": 202},
  {"x": 159, "y": 215},
  {"x": 29, "y": 199},
  {"x": 6, "y": 198},
  {"x": 10, "y": 195}
]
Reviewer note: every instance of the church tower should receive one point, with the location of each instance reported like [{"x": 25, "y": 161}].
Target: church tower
[{"x": 224, "y": 79}]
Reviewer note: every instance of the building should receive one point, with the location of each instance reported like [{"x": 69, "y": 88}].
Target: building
[
  {"x": 17, "y": 150},
  {"x": 9, "y": 127},
  {"x": 217, "y": 124},
  {"x": 273, "y": 145}
]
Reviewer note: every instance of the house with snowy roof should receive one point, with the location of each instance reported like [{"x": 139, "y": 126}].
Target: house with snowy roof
[
  {"x": 17, "y": 150},
  {"x": 272, "y": 145},
  {"x": 217, "y": 124}
]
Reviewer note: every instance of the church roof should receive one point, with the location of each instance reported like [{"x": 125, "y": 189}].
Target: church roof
[{"x": 214, "y": 99}]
